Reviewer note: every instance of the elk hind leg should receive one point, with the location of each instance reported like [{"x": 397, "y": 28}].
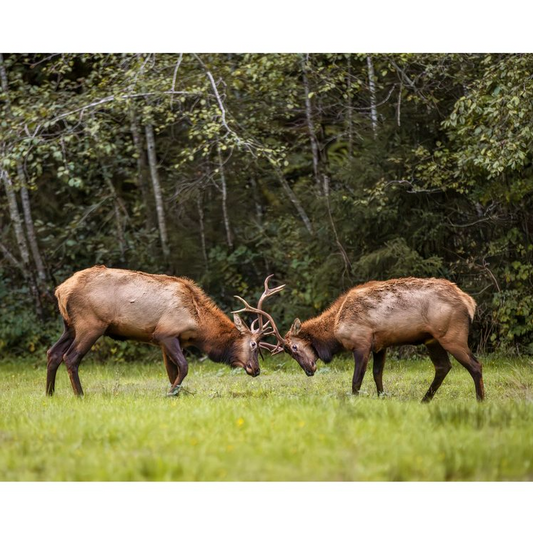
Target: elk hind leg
[
  {"x": 442, "y": 364},
  {"x": 462, "y": 353},
  {"x": 55, "y": 357},
  {"x": 79, "y": 348},
  {"x": 378, "y": 365}
]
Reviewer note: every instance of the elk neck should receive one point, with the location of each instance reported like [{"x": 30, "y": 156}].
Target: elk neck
[
  {"x": 221, "y": 345},
  {"x": 319, "y": 331},
  {"x": 218, "y": 337}
]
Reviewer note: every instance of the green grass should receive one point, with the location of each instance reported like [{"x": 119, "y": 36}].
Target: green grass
[{"x": 279, "y": 426}]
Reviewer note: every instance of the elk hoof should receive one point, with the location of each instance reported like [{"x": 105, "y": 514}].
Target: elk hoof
[{"x": 174, "y": 392}]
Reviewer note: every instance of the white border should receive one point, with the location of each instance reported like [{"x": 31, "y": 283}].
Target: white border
[
  {"x": 259, "y": 507},
  {"x": 273, "y": 26}
]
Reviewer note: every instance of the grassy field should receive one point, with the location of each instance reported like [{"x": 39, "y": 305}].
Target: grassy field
[{"x": 279, "y": 426}]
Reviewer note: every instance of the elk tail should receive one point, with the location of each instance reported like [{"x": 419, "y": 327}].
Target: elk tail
[
  {"x": 470, "y": 305},
  {"x": 61, "y": 297}
]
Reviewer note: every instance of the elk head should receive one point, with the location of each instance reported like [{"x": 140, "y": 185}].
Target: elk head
[
  {"x": 251, "y": 342},
  {"x": 301, "y": 348}
]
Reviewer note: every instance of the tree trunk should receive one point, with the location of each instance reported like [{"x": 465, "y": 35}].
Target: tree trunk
[
  {"x": 295, "y": 202},
  {"x": 257, "y": 201},
  {"x": 199, "y": 205},
  {"x": 372, "y": 85},
  {"x": 142, "y": 170},
  {"x": 30, "y": 229},
  {"x": 311, "y": 131},
  {"x": 118, "y": 219},
  {"x": 225, "y": 215},
  {"x": 4, "y": 83},
  {"x": 28, "y": 272},
  {"x": 21, "y": 241},
  {"x": 158, "y": 196},
  {"x": 350, "y": 110}
]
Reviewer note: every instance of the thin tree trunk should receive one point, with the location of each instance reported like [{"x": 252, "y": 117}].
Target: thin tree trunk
[
  {"x": 350, "y": 110},
  {"x": 257, "y": 202},
  {"x": 200, "y": 207},
  {"x": 398, "y": 108},
  {"x": 158, "y": 196},
  {"x": 142, "y": 169},
  {"x": 15, "y": 217},
  {"x": 4, "y": 83},
  {"x": 295, "y": 202},
  {"x": 224, "y": 198},
  {"x": 118, "y": 218},
  {"x": 30, "y": 229},
  {"x": 21, "y": 241},
  {"x": 311, "y": 129},
  {"x": 27, "y": 270},
  {"x": 372, "y": 85}
]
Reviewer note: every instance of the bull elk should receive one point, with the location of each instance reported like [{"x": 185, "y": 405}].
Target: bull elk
[
  {"x": 164, "y": 310},
  {"x": 376, "y": 315}
]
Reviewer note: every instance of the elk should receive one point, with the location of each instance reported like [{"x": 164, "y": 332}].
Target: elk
[
  {"x": 163, "y": 310},
  {"x": 376, "y": 315}
]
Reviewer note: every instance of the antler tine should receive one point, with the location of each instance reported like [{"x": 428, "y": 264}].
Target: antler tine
[
  {"x": 268, "y": 292},
  {"x": 247, "y": 307},
  {"x": 259, "y": 312},
  {"x": 253, "y": 329},
  {"x": 273, "y": 349}
]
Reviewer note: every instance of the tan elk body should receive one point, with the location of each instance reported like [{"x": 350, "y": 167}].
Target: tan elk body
[
  {"x": 376, "y": 315},
  {"x": 164, "y": 310}
]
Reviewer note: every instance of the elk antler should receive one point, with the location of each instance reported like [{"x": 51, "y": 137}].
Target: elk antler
[
  {"x": 268, "y": 292},
  {"x": 268, "y": 328}
]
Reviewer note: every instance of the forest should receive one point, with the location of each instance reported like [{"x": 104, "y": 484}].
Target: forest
[{"x": 326, "y": 170}]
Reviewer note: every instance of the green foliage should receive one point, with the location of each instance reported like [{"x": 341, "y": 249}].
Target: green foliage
[
  {"x": 397, "y": 259},
  {"x": 443, "y": 187}
]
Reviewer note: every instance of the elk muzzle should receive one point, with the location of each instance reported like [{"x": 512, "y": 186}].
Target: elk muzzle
[
  {"x": 308, "y": 365},
  {"x": 252, "y": 368}
]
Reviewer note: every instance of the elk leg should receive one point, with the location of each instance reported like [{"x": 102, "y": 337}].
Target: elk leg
[
  {"x": 361, "y": 357},
  {"x": 378, "y": 365},
  {"x": 464, "y": 356},
  {"x": 172, "y": 348},
  {"x": 55, "y": 357},
  {"x": 442, "y": 364},
  {"x": 170, "y": 366},
  {"x": 79, "y": 348}
]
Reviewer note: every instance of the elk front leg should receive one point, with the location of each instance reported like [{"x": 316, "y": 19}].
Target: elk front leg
[
  {"x": 170, "y": 366},
  {"x": 173, "y": 350},
  {"x": 361, "y": 360}
]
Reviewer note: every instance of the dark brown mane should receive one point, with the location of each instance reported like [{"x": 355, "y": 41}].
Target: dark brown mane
[
  {"x": 204, "y": 305},
  {"x": 323, "y": 321},
  {"x": 319, "y": 331}
]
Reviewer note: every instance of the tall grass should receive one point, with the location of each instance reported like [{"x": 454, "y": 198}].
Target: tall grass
[{"x": 279, "y": 426}]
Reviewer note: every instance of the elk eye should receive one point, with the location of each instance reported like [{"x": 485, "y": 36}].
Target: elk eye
[
  {"x": 295, "y": 348},
  {"x": 253, "y": 344}
]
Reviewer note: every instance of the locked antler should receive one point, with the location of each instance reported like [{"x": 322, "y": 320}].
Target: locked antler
[{"x": 268, "y": 328}]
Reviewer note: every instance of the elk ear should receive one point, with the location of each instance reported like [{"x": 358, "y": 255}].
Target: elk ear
[
  {"x": 296, "y": 326},
  {"x": 241, "y": 327}
]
